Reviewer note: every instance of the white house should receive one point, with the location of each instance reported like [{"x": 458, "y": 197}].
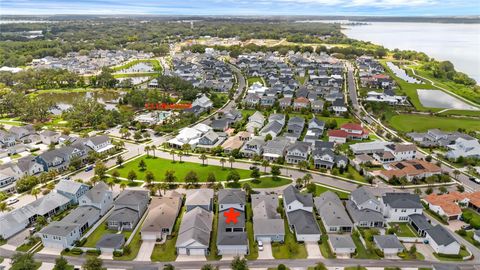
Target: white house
[
  {"x": 398, "y": 206},
  {"x": 442, "y": 241},
  {"x": 464, "y": 148},
  {"x": 99, "y": 196}
]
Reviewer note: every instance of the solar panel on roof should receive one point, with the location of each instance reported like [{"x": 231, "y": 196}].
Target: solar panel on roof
[
  {"x": 400, "y": 166},
  {"x": 419, "y": 166}
]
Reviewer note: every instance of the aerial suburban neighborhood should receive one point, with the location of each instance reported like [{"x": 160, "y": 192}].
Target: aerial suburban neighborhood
[{"x": 210, "y": 146}]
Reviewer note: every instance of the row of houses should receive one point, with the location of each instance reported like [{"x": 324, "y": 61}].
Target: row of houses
[{"x": 56, "y": 159}]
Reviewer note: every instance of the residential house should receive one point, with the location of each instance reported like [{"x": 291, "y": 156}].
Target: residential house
[
  {"x": 275, "y": 149},
  {"x": 255, "y": 122},
  {"x": 464, "y": 148},
  {"x": 409, "y": 169},
  {"x": 161, "y": 217},
  {"x": 7, "y": 139},
  {"x": 389, "y": 245},
  {"x": 442, "y": 240},
  {"x": 268, "y": 225},
  {"x": 253, "y": 147},
  {"x": 338, "y": 106},
  {"x": 299, "y": 211},
  {"x": 100, "y": 144},
  {"x": 398, "y": 206},
  {"x": 129, "y": 207},
  {"x": 295, "y": 128},
  {"x": 342, "y": 245},
  {"x": 301, "y": 103},
  {"x": 194, "y": 233},
  {"x": 203, "y": 101},
  {"x": 49, "y": 137},
  {"x": 364, "y": 209},
  {"x": 272, "y": 128},
  {"x": 326, "y": 158},
  {"x": 99, "y": 196},
  {"x": 298, "y": 152},
  {"x": 232, "y": 237},
  {"x": 452, "y": 203},
  {"x": 332, "y": 213},
  {"x": 202, "y": 198}
]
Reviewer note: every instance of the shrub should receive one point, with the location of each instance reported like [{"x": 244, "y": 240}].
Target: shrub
[
  {"x": 462, "y": 232},
  {"x": 76, "y": 251},
  {"x": 127, "y": 250},
  {"x": 117, "y": 253},
  {"x": 95, "y": 252}
]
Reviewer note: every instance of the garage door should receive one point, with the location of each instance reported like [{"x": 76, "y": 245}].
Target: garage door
[
  {"x": 197, "y": 251},
  {"x": 54, "y": 245},
  {"x": 264, "y": 239},
  {"x": 182, "y": 251},
  {"x": 149, "y": 236}
]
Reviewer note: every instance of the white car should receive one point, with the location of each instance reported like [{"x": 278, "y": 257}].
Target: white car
[
  {"x": 260, "y": 245},
  {"x": 12, "y": 201}
]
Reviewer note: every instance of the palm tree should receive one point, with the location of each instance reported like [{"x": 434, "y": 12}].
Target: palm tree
[
  {"x": 186, "y": 147},
  {"x": 163, "y": 186},
  {"x": 231, "y": 159},
  {"x": 307, "y": 178},
  {"x": 35, "y": 192},
  {"x": 94, "y": 180},
  {"x": 456, "y": 173},
  {"x": 147, "y": 149},
  {"x": 173, "y": 155},
  {"x": 203, "y": 157},
  {"x": 180, "y": 155},
  {"x": 111, "y": 184},
  {"x": 123, "y": 186},
  {"x": 153, "y": 148},
  {"x": 302, "y": 165},
  {"x": 265, "y": 164},
  {"x": 222, "y": 161}
]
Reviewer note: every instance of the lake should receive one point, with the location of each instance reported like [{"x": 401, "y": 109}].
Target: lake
[
  {"x": 440, "y": 99},
  {"x": 458, "y": 43},
  {"x": 64, "y": 100}
]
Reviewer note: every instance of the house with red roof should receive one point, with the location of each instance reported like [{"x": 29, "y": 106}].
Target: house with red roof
[
  {"x": 300, "y": 103},
  {"x": 348, "y": 131}
]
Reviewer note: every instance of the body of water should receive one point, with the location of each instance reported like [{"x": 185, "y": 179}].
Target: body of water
[
  {"x": 457, "y": 43},
  {"x": 440, "y": 99},
  {"x": 65, "y": 99}
]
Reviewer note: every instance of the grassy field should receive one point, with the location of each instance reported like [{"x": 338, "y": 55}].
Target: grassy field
[
  {"x": 155, "y": 63},
  {"x": 419, "y": 123},
  {"x": 321, "y": 189},
  {"x": 290, "y": 249},
  {"x": 100, "y": 231},
  {"x": 264, "y": 182},
  {"x": 353, "y": 174},
  {"x": 167, "y": 252},
  {"x": 324, "y": 245},
  {"x": 471, "y": 217},
  {"x": 403, "y": 229},
  {"x": 158, "y": 166}
]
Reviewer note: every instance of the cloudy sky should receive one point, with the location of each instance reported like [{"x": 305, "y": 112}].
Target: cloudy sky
[{"x": 245, "y": 7}]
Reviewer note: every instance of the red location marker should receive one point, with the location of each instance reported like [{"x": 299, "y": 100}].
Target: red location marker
[{"x": 231, "y": 216}]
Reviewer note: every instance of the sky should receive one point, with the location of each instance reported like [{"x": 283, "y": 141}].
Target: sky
[{"x": 245, "y": 7}]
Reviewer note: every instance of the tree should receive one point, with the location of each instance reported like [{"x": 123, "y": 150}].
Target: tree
[
  {"x": 233, "y": 175},
  {"x": 265, "y": 164},
  {"x": 222, "y": 161},
  {"x": 211, "y": 178},
  {"x": 203, "y": 157},
  {"x": 320, "y": 266},
  {"x": 111, "y": 184},
  {"x": 123, "y": 185},
  {"x": 209, "y": 267},
  {"x": 23, "y": 261},
  {"x": 153, "y": 148},
  {"x": 307, "y": 178},
  {"x": 147, "y": 149},
  {"x": 61, "y": 264},
  {"x": 180, "y": 155},
  {"x": 170, "y": 176},
  {"x": 460, "y": 188},
  {"x": 3, "y": 207},
  {"x": 93, "y": 263},
  {"x": 142, "y": 165},
  {"x": 239, "y": 264},
  {"x": 35, "y": 192},
  {"x": 120, "y": 160},
  {"x": 443, "y": 189},
  {"x": 186, "y": 147},
  {"x": 172, "y": 152},
  {"x": 299, "y": 182},
  {"x": 115, "y": 175},
  {"x": 149, "y": 177},
  {"x": 429, "y": 191},
  {"x": 255, "y": 174},
  {"x": 100, "y": 170},
  {"x": 169, "y": 267},
  {"x": 303, "y": 165},
  {"x": 281, "y": 267},
  {"x": 191, "y": 177},
  {"x": 231, "y": 159},
  {"x": 275, "y": 171},
  {"x": 94, "y": 180},
  {"x": 132, "y": 175},
  {"x": 456, "y": 173},
  {"x": 418, "y": 191}
]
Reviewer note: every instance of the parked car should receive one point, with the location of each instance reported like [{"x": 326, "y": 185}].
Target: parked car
[
  {"x": 89, "y": 168},
  {"x": 260, "y": 245},
  {"x": 12, "y": 201},
  {"x": 473, "y": 179},
  {"x": 467, "y": 227}
]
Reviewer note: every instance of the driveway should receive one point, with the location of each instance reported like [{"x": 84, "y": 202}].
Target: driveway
[
  {"x": 46, "y": 266},
  {"x": 266, "y": 253},
  {"x": 455, "y": 225},
  {"x": 19, "y": 238},
  {"x": 313, "y": 250},
  {"x": 190, "y": 258},
  {"x": 145, "y": 251},
  {"x": 423, "y": 249}
]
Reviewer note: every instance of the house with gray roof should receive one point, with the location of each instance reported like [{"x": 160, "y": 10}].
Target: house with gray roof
[
  {"x": 398, "y": 206},
  {"x": 110, "y": 242},
  {"x": 420, "y": 224},
  {"x": 326, "y": 158},
  {"x": 49, "y": 137},
  {"x": 161, "y": 217},
  {"x": 232, "y": 237},
  {"x": 194, "y": 233},
  {"x": 364, "y": 209},
  {"x": 129, "y": 207},
  {"x": 100, "y": 144},
  {"x": 342, "y": 245},
  {"x": 332, "y": 213},
  {"x": 99, "y": 196},
  {"x": 268, "y": 225},
  {"x": 7, "y": 139},
  {"x": 253, "y": 147},
  {"x": 388, "y": 244},
  {"x": 273, "y": 128},
  {"x": 50, "y": 204},
  {"x": 72, "y": 189},
  {"x": 299, "y": 210},
  {"x": 255, "y": 122},
  {"x": 442, "y": 240},
  {"x": 297, "y": 152},
  {"x": 202, "y": 198},
  {"x": 275, "y": 149}
]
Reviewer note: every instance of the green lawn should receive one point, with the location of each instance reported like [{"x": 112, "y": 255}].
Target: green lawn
[
  {"x": 469, "y": 238},
  {"x": 253, "y": 80},
  {"x": 471, "y": 217},
  {"x": 19, "y": 267},
  {"x": 252, "y": 244},
  {"x": 362, "y": 252},
  {"x": 290, "y": 249},
  {"x": 353, "y": 174},
  {"x": 27, "y": 246},
  {"x": 321, "y": 189},
  {"x": 324, "y": 246},
  {"x": 11, "y": 123},
  {"x": 212, "y": 256},
  {"x": 155, "y": 63},
  {"x": 158, "y": 166},
  {"x": 167, "y": 252},
  {"x": 264, "y": 182},
  {"x": 403, "y": 229},
  {"x": 100, "y": 231},
  {"x": 413, "y": 122}
]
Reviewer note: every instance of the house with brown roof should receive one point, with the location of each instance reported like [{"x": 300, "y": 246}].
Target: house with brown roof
[
  {"x": 300, "y": 103},
  {"x": 161, "y": 217},
  {"x": 409, "y": 169},
  {"x": 451, "y": 204}
]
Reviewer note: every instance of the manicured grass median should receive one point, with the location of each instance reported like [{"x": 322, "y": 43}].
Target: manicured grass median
[
  {"x": 264, "y": 182},
  {"x": 158, "y": 166},
  {"x": 413, "y": 122},
  {"x": 321, "y": 189},
  {"x": 167, "y": 252}
]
